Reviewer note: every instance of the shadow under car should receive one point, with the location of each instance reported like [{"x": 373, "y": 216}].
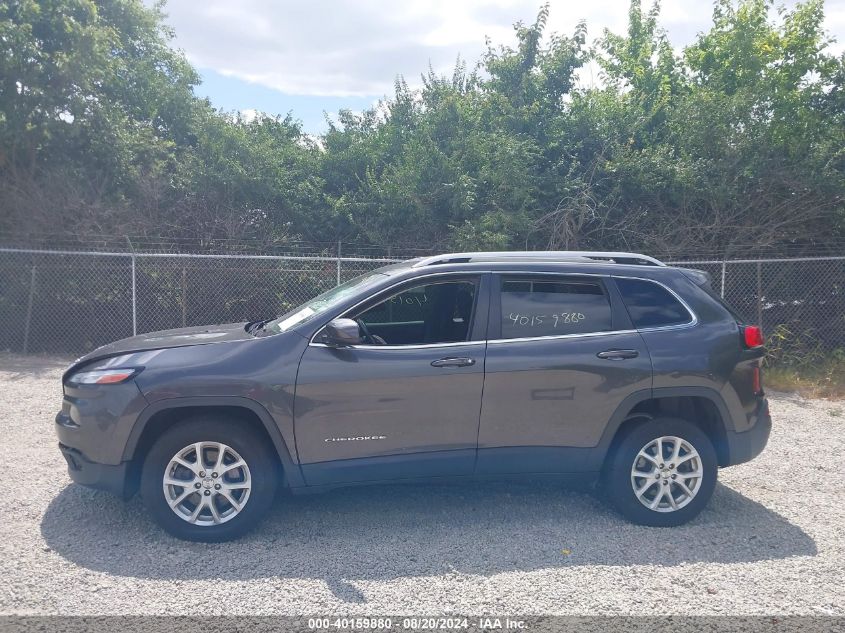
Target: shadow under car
[{"x": 386, "y": 532}]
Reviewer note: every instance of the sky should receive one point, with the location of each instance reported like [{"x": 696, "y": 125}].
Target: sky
[{"x": 315, "y": 56}]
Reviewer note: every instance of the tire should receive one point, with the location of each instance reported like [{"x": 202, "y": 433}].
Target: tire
[
  {"x": 627, "y": 463},
  {"x": 216, "y": 506}
]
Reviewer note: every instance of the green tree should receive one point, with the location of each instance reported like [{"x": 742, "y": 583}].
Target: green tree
[
  {"x": 92, "y": 102},
  {"x": 734, "y": 145}
]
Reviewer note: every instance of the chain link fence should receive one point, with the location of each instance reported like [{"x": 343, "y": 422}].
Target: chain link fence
[
  {"x": 69, "y": 302},
  {"x": 72, "y": 301},
  {"x": 799, "y": 302}
]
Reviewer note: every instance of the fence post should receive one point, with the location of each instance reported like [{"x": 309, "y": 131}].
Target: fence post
[
  {"x": 134, "y": 295},
  {"x": 29, "y": 310},
  {"x": 724, "y": 266},
  {"x": 760, "y": 294},
  {"x": 338, "y": 262},
  {"x": 184, "y": 296},
  {"x": 134, "y": 300}
]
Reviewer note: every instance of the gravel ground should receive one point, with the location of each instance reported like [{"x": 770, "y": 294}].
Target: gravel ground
[{"x": 772, "y": 541}]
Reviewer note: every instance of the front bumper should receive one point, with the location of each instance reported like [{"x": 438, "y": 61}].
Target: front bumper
[
  {"x": 106, "y": 477},
  {"x": 97, "y": 420},
  {"x": 745, "y": 446}
]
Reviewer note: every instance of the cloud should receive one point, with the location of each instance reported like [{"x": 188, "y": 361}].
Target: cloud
[
  {"x": 343, "y": 49},
  {"x": 249, "y": 115},
  {"x": 835, "y": 22},
  {"x": 338, "y": 48}
]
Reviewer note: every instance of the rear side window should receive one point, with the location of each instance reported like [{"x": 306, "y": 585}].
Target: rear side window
[
  {"x": 650, "y": 304},
  {"x": 552, "y": 307}
]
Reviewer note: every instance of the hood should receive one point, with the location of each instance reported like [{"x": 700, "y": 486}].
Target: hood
[{"x": 180, "y": 337}]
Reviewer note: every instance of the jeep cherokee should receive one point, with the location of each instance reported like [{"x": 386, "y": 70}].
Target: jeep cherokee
[{"x": 612, "y": 366}]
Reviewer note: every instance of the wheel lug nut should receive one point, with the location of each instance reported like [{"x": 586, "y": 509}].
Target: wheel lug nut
[
  {"x": 671, "y": 465},
  {"x": 217, "y": 486},
  {"x": 674, "y": 476},
  {"x": 207, "y": 492},
  {"x": 665, "y": 483},
  {"x": 202, "y": 473},
  {"x": 197, "y": 485},
  {"x": 214, "y": 475},
  {"x": 661, "y": 465}
]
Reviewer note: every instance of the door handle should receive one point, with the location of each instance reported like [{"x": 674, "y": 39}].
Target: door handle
[
  {"x": 618, "y": 354},
  {"x": 453, "y": 362}
]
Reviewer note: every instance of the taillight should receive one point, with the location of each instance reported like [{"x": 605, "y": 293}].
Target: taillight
[{"x": 752, "y": 336}]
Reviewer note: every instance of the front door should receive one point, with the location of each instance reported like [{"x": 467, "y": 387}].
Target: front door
[
  {"x": 406, "y": 403},
  {"x": 561, "y": 358}
]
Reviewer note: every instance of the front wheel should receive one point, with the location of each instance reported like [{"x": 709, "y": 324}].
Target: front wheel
[
  {"x": 208, "y": 479},
  {"x": 662, "y": 473}
]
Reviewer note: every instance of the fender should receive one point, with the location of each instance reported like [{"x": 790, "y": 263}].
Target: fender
[
  {"x": 291, "y": 468},
  {"x": 637, "y": 397}
]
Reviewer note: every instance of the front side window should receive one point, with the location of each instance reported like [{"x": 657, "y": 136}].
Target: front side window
[
  {"x": 425, "y": 314},
  {"x": 552, "y": 307},
  {"x": 650, "y": 304}
]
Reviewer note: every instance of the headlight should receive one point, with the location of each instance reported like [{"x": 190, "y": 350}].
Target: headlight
[{"x": 102, "y": 376}]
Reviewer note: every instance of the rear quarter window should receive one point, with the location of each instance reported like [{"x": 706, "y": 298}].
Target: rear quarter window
[
  {"x": 651, "y": 305},
  {"x": 706, "y": 287},
  {"x": 551, "y": 307}
]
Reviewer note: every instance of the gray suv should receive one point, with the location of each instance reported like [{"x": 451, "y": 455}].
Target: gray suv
[{"x": 609, "y": 366}]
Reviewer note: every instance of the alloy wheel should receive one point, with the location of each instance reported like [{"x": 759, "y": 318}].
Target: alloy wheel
[
  {"x": 667, "y": 474},
  {"x": 207, "y": 483}
]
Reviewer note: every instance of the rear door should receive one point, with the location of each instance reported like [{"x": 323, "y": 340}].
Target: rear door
[
  {"x": 405, "y": 404},
  {"x": 561, "y": 357}
]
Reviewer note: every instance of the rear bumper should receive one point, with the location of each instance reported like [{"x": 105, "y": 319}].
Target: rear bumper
[
  {"x": 111, "y": 478},
  {"x": 745, "y": 446}
]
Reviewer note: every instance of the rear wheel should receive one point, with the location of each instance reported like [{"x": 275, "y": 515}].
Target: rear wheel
[
  {"x": 662, "y": 473},
  {"x": 209, "y": 479}
]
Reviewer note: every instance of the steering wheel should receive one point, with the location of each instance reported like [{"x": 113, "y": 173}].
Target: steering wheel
[{"x": 368, "y": 336}]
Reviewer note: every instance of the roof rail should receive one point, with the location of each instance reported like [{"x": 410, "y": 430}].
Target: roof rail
[{"x": 561, "y": 256}]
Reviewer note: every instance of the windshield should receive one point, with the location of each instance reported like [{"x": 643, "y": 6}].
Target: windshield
[{"x": 322, "y": 303}]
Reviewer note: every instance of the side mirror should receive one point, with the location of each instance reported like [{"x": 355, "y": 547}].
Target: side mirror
[{"x": 341, "y": 333}]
